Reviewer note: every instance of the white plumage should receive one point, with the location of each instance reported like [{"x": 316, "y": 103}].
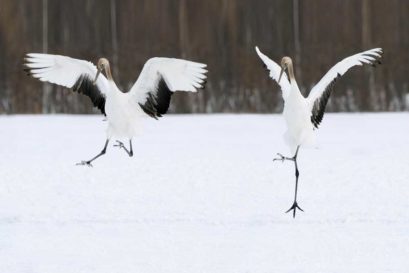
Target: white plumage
[
  {"x": 303, "y": 115},
  {"x": 150, "y": 95}
]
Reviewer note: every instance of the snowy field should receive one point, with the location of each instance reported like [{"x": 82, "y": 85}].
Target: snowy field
[{"x": 202, "y": 194}]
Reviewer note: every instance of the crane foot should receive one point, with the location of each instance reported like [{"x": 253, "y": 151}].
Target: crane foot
[
  {"x": 294, "y": 208},
  {"x": 120, "y": 145},
  {"x": 84, "y": 163},
  {"x": 283, "y": 158}
]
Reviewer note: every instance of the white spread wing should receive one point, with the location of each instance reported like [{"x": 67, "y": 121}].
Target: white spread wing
[
  {"x": 320, "y": 93},
  {"x": 366, "y": 57},
  {"x": 69, "y": 72},
  {"x": 160, "y": 77},
  {"x": 275, "y": 69}
]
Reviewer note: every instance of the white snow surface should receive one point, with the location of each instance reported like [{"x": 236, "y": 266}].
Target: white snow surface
[{"x": 202, "y": 194}]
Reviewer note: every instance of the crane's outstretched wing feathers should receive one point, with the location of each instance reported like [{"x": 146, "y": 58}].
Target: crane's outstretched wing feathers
[
  {"x": 160, "y": 77},
  {"x": 320, "y": 93},
  {"x": 68, "y": 72},
  {"x": 275, "y": 69}
]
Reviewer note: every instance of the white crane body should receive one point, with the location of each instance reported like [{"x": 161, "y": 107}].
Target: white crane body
[
  {"x": 124, "y": 119},
  {"x": 300, "y": 130}
]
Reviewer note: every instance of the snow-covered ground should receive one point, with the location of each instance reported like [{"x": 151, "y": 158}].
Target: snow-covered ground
[{"x": 202, "y": 194}]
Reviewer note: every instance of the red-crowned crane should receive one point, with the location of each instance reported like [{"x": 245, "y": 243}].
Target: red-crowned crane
[
  {"x": 150, "y": 95},
  {"x": 303, "y": 115}
]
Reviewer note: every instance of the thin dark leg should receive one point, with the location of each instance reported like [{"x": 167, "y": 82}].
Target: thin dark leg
[
  {"x": 130, "y": 145},
  {"x": 88, "y": 163},
  {"x": 295, "y": 206},
  {"x": 122, "y": 146}
]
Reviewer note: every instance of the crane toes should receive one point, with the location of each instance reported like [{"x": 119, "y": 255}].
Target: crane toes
[
  {"x": 281, "y": 158},
  {"x": 119, "y": 144},
  {"x": 294, "y": 208},
  {"x": 84, "y": 163}
]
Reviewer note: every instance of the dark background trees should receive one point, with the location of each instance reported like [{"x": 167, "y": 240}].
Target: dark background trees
[{"x": 221, "y": 33}]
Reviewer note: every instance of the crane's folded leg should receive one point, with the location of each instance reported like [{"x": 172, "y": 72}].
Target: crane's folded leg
[
  {"x": 120, "y": 145},
  {"x": 88, "y": 163},
  {"x": 295, "y": 206}
]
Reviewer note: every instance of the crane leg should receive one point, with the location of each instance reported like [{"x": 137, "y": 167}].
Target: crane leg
[
  {"x": 88, "y": 163},
  {"x": 120, "y": 145},
  {"x": 295, "y": 206}
]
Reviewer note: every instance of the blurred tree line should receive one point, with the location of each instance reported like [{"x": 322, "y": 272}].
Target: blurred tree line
[{"x": 221, "y": 33}]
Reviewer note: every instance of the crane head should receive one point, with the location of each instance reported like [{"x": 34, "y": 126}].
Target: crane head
[
  {"x": 285, "y": 63},
  {"x": 103, "y": 63}
]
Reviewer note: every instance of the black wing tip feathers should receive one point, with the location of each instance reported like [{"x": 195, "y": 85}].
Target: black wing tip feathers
[
  {"x": 318, "y": 110},
  {"x": 377, "y": 57},
  {"x": 84, "y": 85},
  {"x": 203, "y": 84},
  {"x": 149, "y": 111},
  {"x": 158, "y": 101},
  {"x": 29, "y": 70}
]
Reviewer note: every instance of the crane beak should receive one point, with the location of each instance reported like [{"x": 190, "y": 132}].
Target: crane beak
[
  {"x": 281, "y": 74},
  {"x": 96, "y": 77}
]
